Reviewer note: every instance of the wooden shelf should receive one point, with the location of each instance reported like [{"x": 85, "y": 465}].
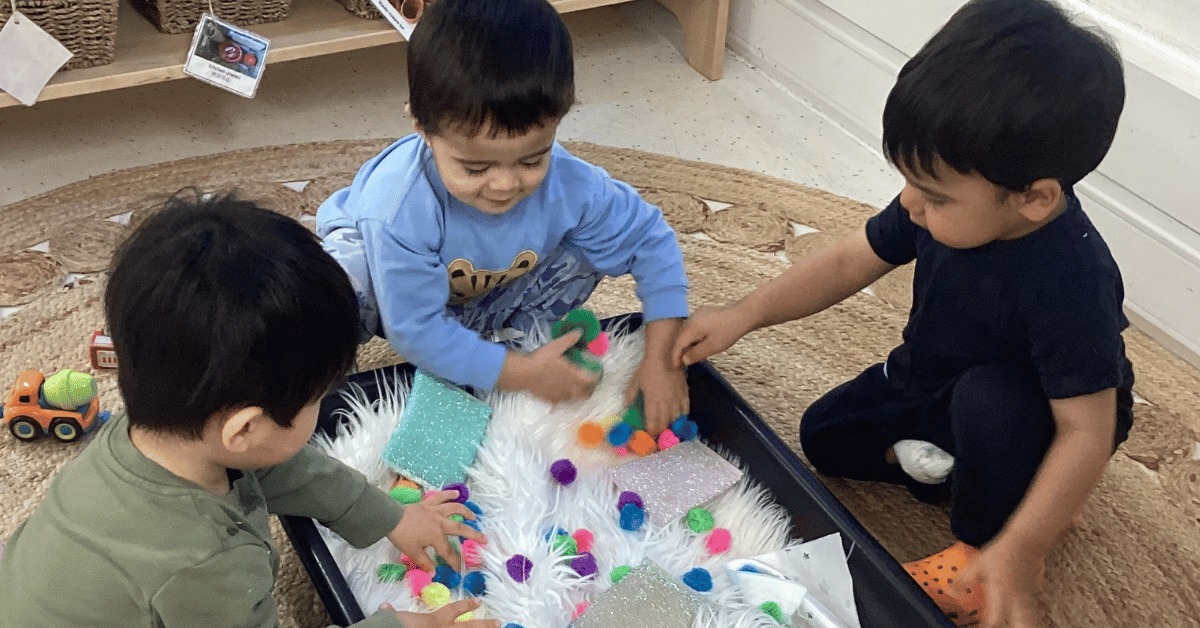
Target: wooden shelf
[{"x": 314, "y": 27}]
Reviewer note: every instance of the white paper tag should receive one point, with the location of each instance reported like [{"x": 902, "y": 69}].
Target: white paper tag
[
  {"x": 227, "y": 56},
  {"x": 412, "y": 10},
  {"x": 29, "y": 56}
]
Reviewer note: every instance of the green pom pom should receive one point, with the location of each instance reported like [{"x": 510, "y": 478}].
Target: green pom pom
[
  {"x": 619, "y": 573},
  {"x": 585, "y": 359},
  {"x": 391, "y": 572},
  {"x": 406, "y": 494},
  {"x": 579, "y": 318},
  {"x": 68, "y": 389},
  {"x": 699, "y": 520},
  {"x": 567, "y": 544},
  {"x": 635, "y": 415},
  {"x": 772, "y": 609},
  {"x": 458, "y": 518}
]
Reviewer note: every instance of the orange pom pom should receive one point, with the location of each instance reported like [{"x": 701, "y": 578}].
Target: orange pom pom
[
  {"x": 642, "y": 443},
  {"x": 405, "y": 483},
  {"x": 590, "y": 434}
]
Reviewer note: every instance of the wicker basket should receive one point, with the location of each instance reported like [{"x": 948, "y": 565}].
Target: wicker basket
[
  {"x": 88, "y": 28},
  {"x": 182, "y": 16}
]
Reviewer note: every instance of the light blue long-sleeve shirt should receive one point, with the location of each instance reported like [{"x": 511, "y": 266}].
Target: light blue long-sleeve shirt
[{"x": 415, "y": 232}]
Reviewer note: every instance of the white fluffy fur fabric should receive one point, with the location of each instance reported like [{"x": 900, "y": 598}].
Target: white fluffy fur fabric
[{"x": 511, "y": 483}]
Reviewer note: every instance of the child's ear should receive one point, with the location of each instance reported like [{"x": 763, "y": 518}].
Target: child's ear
[
  {"x": 416, "y": 125},
  {"x": 241, "y": 428},
  {"x": 1041, "y": 200}
]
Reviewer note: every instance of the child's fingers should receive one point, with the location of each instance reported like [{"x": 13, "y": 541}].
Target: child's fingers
[
  {"x": 423, "y": 561},
  {"x": 445, "y": 550},
  {"x": 453, "y": 610},
  {"x": 566, "y": 341},
  {"x": 440, "y": 497}
]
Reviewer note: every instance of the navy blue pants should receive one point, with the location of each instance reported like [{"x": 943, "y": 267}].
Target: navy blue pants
[{"x": 995, "y": 420}]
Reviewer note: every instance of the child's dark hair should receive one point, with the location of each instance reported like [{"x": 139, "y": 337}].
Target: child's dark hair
[
  {"x": 1010, "y": 89},
  {"x": 217, "y": 304},
  {"x": 506, "y": 65}
]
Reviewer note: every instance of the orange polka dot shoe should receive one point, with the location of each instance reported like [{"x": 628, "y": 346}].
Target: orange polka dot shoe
[{"x": 937, "y": 574}]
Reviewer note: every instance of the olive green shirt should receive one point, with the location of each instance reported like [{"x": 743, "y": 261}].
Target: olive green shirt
[{"x": 119, "y": 541}]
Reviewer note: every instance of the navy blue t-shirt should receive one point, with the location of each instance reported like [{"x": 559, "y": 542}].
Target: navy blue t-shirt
[{"x": 1050, "y": 300}]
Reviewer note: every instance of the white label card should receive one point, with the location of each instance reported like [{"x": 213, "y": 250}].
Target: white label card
[
  {"x": 404, "y": 19},
  {"x": 29, "y": 57},
  {"x": 227, "y": 56}
]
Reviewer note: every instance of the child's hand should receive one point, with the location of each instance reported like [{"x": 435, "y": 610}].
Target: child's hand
[
  {"x": 708, "y": 331},
  {"x": 664, "y": 392},
  {"x": 1010, "y": 579},
  {"x": 427, "y": 523},
  {"x": 444, "y": 616},
  {"x": 547, "y": 374}
]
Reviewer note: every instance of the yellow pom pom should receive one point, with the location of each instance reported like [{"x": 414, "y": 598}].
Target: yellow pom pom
[
  {"x": 436, "y": 595},
  {"x": 609, "y": 421},
  {"x": 467, "y": 616}
]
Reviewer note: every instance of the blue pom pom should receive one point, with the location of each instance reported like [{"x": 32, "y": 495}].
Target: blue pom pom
[
  {"x": 684, "y": 428},
  {"x": 619, "y": 434},
  {"x": 632, "y": 517},
  {"x": 472, "y": 523},
  {"x": 475, "y": 583},
  {"x": 474, "y": 508},
  {"x": 513, "y": 625},
  {"x": 749, "y": 569},
  {"x": 699, "y": 579},
  {"x": 446, "y": 575},
  {"x": 554, "y": 532}
]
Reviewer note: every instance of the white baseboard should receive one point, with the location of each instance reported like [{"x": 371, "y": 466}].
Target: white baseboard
[{"x": 845, "y": 72}]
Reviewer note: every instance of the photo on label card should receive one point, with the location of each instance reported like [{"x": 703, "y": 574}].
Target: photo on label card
[{"x": 227, "y": 56}]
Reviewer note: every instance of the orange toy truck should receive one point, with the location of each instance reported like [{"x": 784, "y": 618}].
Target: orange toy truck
[{"x": 28, "y": 416}]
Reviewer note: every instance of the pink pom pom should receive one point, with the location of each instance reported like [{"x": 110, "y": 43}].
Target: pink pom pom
[
  {"x": 428, "y": 494},
  {"x": 409, "y": 562},
  {"x": 470, "y": 553},
  {"x": 584, "y": 539},
  {"x": 599, "y": 346},
  {"x": 718, "y": 541},
  {"x": 667, "y": 439},
  {"x": 580, "y": 609},
  {"x": 621, "y": 451},
  {"x": 417, "y": 580}
]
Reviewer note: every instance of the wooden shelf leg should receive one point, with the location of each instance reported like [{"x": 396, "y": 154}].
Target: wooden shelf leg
[{"x": 704, "y": 23}]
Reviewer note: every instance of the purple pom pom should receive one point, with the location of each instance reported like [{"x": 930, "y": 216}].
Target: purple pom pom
[
  {"x": 632, "y": 517},
  {"x": 463, "y": 493},
  {"x": 518, "y": 567},
  {"x": 584, "y": 564},
  {"x": 563, "y": 471},
  {"x": 629, "y": 497}
]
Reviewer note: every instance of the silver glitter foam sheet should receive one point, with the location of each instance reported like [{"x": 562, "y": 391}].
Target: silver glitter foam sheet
[
  {"x": 677, "y": 479},
  {"x": 647, "y": 597}
]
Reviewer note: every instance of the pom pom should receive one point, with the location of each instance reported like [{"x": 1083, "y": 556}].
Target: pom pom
[
  {"x": 632, "y": 517},
  {"x": 409, "y": 562},
  {"x": 684, "y": 428},
  {"x": 446, "y": 575},
  {"x": 391, "y": 572},
  {"x": 772, "y": 609},
  {"x": 590, "y": 434},
  {"x": 513, "y": 625},
  {"x": 718, "y": 541},
  {"x": 618, "y": 573},
  {"x": 599, "y": 346},
  {"x": 609, "y": 421},
  {"x": 406, "y": 495},
  {"x": 553, "y": 532},
  {"x": 467, "y": 616},
  {"x": 699, "y": 579},
  {"x": 642, "y": 443},
  {"x": 518, "y": 567},
  {"x": 584, "y": 564},
  {"x": 578, "y": 318},
  {"x": 405, "y": 482},
  {"x": 436, "y": 595},
  {"x": 621, "y": 451},
  {"x": 584, "y": 539},
  {"x": 699, "y": 520},
  {"x": 473, "y": 507},
  {"x": 629, "y": 497},
  {"x": 463, "y": 493},
  {"x": 667, "y": 440},
  {"x": 563, "y": 471},
  {"x": 634, "y": 415},
  {"x": 748, "y": 568},
  {"x": 566, "y": 545},
  {"x": 475, "y": 583},
  {"x": 470, "y": 553},
  {"x": 457, "y": 518},
  {"x": 619, "y": 434},
  {"x": 418, "y": 580},
  {"x": 580, "y": 609}
]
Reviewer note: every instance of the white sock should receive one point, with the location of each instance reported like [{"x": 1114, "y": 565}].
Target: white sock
[{"x": 923, "y": 461}]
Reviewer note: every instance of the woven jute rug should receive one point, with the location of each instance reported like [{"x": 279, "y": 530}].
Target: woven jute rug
[{"x": 1133, "y": 562}]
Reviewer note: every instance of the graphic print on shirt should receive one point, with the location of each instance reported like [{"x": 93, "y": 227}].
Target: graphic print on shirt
[{"x": 466, "y": 283}]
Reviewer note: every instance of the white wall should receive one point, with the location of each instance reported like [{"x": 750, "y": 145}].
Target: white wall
[{"x": 842, "y": 56}]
